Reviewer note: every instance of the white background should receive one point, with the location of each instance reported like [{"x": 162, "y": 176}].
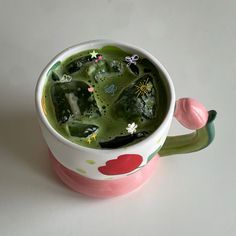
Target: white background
[{"x": 192, "y": 194}]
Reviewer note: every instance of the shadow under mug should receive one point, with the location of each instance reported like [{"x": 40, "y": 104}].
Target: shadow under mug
[{"x": 112, "y": 172}]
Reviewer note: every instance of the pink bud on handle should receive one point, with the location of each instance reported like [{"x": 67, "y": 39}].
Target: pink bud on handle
[{"x": 190, "y": 113}]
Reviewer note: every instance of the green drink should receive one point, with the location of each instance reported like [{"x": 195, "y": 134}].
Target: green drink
[{"x": 105, "y": 98}]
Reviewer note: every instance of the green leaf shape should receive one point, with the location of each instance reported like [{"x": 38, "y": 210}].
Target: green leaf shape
[
  {"x": 81, "y": 170},
  {"x": 153, "y": 154},
  {"x": 91, "y": 162}
]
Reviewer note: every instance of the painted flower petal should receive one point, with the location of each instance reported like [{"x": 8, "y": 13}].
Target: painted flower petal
[{"x": 122, "y": 165}]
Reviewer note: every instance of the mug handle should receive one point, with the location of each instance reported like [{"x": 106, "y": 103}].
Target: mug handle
[{"x": 192, "y": 115}]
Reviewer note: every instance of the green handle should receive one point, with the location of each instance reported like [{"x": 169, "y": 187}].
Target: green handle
[{"x": 192, "y": 142}]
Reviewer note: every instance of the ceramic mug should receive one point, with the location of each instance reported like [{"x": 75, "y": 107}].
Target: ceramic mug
[{"x": 90, "y": 169}]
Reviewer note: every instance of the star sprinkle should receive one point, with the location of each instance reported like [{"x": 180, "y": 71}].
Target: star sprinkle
[
  {"x": 132, "y": 128},
  {"x": 94, "y": 135},
  {"x": 93, "y": 54},
  {"x": 89, "y": 140}
]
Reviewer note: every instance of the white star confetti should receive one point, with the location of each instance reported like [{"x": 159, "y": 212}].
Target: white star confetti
[
  {"x": 93, "y": 54},
  {"x": 131, "y": 128}
]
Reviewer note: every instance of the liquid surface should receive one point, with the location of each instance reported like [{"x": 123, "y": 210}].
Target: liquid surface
[{"x": 104, "y": 98}]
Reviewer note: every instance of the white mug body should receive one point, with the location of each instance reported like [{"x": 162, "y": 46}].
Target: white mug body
[{"x": 98, "y": 163}]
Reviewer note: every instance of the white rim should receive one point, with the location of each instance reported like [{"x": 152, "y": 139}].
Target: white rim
[{"x": 93, "y": 44}]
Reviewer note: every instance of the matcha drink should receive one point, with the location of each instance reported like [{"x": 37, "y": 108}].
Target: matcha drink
[{"x": 104, "y": 98}]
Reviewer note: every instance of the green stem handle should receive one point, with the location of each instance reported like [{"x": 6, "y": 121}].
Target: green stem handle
[{"x": 192, "y": 142}]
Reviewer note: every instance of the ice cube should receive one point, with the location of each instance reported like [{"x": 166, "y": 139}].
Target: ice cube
[
  {"x": 73, "y": 99},
  {"x": 77, "y": 64},
  {"x": 103, "y": 69},
  {"x": 61, "y": 105},
  {"x": 98, "y": 70},
  {"x": 138, "y": 100}
]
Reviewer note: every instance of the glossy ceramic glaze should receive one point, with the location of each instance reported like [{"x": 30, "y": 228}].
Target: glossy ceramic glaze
[{"x": 113, "y": 172}]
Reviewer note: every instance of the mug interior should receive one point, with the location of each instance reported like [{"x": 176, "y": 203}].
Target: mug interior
[{"x": 98, "y": 44}]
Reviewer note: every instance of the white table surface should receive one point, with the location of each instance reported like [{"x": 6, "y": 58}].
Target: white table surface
[{"x": 192, "y": 194}]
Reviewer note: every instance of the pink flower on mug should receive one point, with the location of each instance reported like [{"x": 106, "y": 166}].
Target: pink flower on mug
[{"x": 122, "y": 165}]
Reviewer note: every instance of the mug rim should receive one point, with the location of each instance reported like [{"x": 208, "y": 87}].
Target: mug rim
[{"x": 41, "y": 83}]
